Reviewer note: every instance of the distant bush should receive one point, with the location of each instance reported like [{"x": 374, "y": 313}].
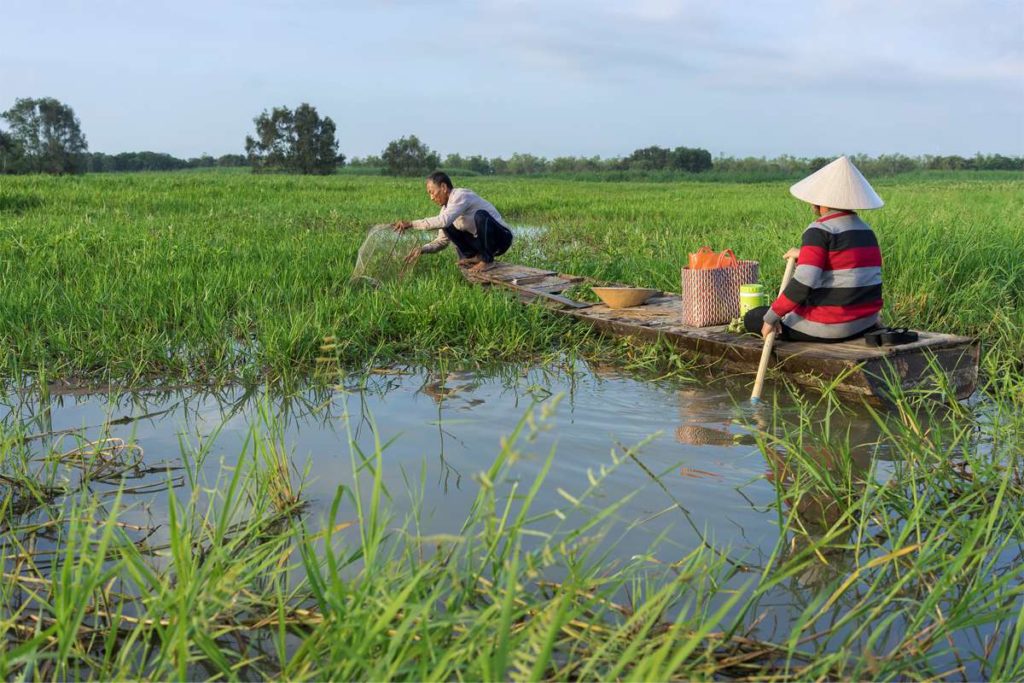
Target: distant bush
[
  {"x": 349, "y": 169},
  {"x": 635, "y": 167},
  {"x": 369, "y": 161},
  {"x": 128, "y": 162},
  {"x": 693, "y": 160},
  {"x": 475, "y": 165}
]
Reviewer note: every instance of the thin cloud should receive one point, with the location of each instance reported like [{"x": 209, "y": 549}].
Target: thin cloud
[
  {"x": 838, "y": 43},
  {"x": 567, "y": 77}
]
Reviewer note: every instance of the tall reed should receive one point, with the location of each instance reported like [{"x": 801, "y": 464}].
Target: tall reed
[
  {"x": 222, "y": 277},
  {"x": 915, "y": 574}
]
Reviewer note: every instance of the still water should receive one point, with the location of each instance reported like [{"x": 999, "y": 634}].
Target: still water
[{"x": 697, "y": 475}]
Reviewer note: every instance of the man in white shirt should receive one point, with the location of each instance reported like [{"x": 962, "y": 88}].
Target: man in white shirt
[{"x": 466, "y": 219}]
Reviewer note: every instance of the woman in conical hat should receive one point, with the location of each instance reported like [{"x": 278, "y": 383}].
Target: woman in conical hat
[{"x": 836, "y": 290}]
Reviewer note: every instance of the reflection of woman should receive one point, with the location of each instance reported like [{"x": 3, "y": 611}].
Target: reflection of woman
[
  {"x": 814, "y": 510},
  {"x": 836, "y": 290}
]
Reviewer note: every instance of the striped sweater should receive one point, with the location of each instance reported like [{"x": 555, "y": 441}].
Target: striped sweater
[{"x": 836, "y": 290}]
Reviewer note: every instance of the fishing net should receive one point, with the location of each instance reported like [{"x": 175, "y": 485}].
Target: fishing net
[{"x": 382, "y": 258}]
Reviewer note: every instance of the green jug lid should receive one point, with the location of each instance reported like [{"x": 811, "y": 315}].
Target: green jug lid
[{"x": 752, "y": 289}]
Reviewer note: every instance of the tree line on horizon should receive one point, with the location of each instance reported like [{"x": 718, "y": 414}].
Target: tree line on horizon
[{"x": 45, "y": 136}]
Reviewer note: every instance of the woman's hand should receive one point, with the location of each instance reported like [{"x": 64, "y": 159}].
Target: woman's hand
[
  {"x": 792, "y": 253},
  {"x": 768, "y": 328}
]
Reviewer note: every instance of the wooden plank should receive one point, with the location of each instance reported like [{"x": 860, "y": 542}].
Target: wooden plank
[
  {"x": 557, "y": 298},
  {"x": 852, "y": 368},
  {"x": 530, "y": 283},
  {"x": 547, "y": 283},
  {"x": 504, "y": 272},
  {"x": 532, "y": 280}
]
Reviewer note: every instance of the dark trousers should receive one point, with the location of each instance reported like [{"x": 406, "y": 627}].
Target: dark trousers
[
  {"x": 753, "y": 320},
  {"x": 491, "y": 239}
]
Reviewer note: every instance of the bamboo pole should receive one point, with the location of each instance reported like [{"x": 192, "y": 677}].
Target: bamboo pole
[{"x": 769, "y": 341}]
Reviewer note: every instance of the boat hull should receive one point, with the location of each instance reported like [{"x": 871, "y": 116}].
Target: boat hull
[{"x": 935, "y": 362}]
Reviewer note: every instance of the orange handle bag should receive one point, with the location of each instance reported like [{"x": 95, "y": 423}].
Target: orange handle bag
[{"x": 706, "y": 259}]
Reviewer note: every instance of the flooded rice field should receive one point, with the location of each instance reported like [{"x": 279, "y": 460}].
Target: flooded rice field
[
  {"x": 694, "y": 470},
  {"x": 691, "y": 471},
  {"x": 684, "y": 465}
]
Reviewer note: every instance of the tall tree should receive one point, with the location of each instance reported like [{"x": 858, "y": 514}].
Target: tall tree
[
  {"x": 269, "y": 149},
  {"x": 316, "y": 148},
  {"x": 47, "y": 135},
  {"x": 298, "y": 141},
  {"x": 10, "y": 153},
  {"x": 409, "y": 157}
]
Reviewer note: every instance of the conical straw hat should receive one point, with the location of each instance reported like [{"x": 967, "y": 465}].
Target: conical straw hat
[{"x": 838, "y": 186}]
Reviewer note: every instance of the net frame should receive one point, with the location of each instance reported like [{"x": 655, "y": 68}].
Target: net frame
[{"x": 382, "y": 256}]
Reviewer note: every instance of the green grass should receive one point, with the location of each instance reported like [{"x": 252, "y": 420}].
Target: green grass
[
  {"x": 221, "y": 277},
  {"x": 915, "y": 577}
]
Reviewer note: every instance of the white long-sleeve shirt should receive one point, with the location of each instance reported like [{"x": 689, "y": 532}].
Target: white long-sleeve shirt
[{"x": 457, "y": 213}]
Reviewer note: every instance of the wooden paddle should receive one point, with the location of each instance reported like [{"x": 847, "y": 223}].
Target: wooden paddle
[{"x": 769, "y": 341}]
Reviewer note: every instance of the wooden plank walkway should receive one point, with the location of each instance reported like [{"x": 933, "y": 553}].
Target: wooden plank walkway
[{"x": 852, "y": 368}]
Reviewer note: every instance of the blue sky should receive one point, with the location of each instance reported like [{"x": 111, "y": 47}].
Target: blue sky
[{"x": 548, "y": 77}]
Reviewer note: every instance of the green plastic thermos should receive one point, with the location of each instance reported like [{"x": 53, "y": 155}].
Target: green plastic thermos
[{"x": 751, "y": 296}]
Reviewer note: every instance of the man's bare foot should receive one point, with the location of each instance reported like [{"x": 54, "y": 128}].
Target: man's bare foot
[
  {"x": 469, "y": 261},
  {"x": 481, "y": 267}
]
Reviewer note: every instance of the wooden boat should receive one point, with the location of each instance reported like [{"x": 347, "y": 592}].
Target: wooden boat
[{"x": 851, "y": 368}]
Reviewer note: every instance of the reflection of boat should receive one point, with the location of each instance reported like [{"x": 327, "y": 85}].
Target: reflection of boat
[
  {"x": 699, "y": 435},
  {"x": 851, "y": 368},
  {"x": 448, "y": 386},
  {"x": 707, "y": 416}
]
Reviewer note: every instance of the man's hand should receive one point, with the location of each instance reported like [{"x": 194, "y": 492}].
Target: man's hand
[
  {"x": 768, "y": 328},
  {"x": 792, "y": 253},
  {"x": 401, "y": 226},
  {"x": 413, "y": 256}
]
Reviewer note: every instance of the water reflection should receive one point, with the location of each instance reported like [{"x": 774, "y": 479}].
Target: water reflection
[
  {"x": 697, "y": 465},
  {"x": 819, "y": 486},
  {"x": 710, "y": 417},
  {"x": 699, "y": 476}
]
